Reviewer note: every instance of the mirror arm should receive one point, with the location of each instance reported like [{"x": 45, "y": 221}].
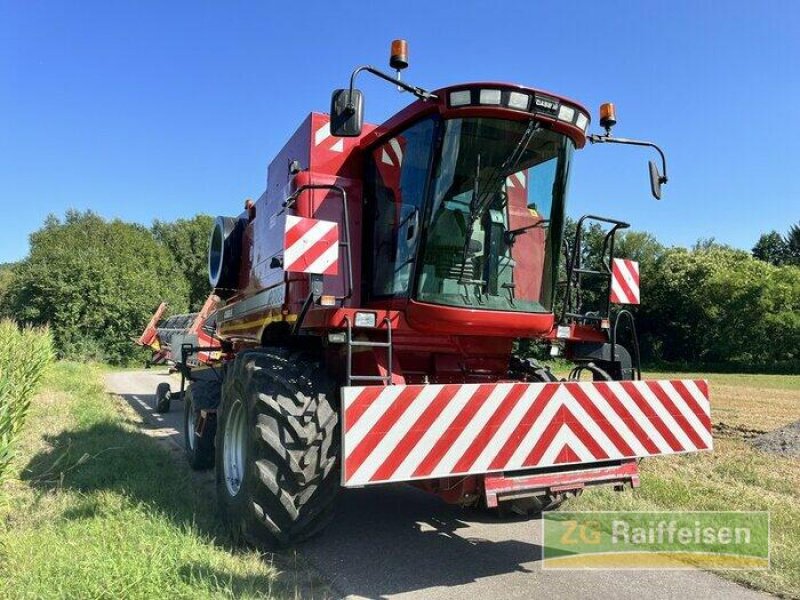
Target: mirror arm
[
  {"x": 603, "y": 139},
  {"x": 512, "y": 234},
  {"x": 417, "y": 91}
]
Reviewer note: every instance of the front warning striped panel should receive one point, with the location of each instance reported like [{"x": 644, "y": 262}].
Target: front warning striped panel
[
  {"x": 408, "y": 432},
  {"x": 310, "y": 246}
]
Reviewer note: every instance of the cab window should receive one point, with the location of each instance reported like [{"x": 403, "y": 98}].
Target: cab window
[{"x": 397, "y": 175}]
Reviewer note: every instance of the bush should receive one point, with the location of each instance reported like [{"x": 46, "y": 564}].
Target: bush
[
  {"x": 720, "y": 305},
  {"x": 187, "y": 241},
  {"x": 96, "y": 283},
  {"x": 24, "y": 355}
]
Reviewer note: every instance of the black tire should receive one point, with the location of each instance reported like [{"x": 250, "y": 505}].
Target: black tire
[
  {"x": 527, "y": 369},
  {"x": 199, "y": 448},
  {"x": 163, "y": 397},
  {"x": 532, "y": 506},
  {"x": 290, "y": 474}
]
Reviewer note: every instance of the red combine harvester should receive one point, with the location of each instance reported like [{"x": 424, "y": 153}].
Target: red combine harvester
[{"x": 372, "y": 297}]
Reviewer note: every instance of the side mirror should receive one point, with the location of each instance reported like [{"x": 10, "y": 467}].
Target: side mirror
[
  {"x": 655, "y": 181},
  {"x": 347, "y": 113}
]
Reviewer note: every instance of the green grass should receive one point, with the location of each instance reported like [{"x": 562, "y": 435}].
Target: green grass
[
  {"x": 735, "y": 476},
  {"x": 99, "y": 509},
  {"x": 775, "y": 382}
]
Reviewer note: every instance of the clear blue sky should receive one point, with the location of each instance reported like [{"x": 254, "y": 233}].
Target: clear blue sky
[{"x": 145, "y": 110}]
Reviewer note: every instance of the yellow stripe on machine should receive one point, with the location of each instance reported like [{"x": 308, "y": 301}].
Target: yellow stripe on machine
[{"x": 257, "y": 323}]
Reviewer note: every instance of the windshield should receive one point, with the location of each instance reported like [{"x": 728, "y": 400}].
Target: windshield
[{"x": 496, "y": 218}]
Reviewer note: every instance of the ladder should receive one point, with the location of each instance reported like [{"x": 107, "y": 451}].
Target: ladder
[{"x": 352, "y": 343}]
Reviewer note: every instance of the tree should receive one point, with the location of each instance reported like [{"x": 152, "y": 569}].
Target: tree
[
  {"x": 722, "y": 305},
  {"x": 793, "y": 245},
  {"x": 640, "y": 246},
  {"x": 771, "y": 248},
  {"x": 187, "y": 240},
  {"x": 635, "y": 245},
  {"x": 6, "y": 280},
  {"x": 96, "y": 283},
  {"x": 710, "y": 243}
]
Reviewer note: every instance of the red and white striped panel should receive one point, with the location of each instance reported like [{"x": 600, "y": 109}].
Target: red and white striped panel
[
  {"x": 324, "y": 138},
  {"x": 518, "y": 180},
  {"x": 624, "y": 281},
  {"x": 409, "y": 432},
  {"x": 311, "y": 246}
]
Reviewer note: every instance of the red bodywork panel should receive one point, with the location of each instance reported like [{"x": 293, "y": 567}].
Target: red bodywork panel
[
  {"x": 150, "y": 333},
  {"x": 499, "y": 487},
  {"x": 448, "y": 319}
]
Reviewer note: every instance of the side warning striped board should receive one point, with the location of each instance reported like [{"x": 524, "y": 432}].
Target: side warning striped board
[
  {"x": 311, "y": 246},
  {"x": 411, "y": 432},
  {"x": 624, "y": 281}
]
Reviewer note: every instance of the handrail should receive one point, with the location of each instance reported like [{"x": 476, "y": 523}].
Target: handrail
[
  {"x": 574, "y": 264},
  {"x": 345, "y": 211}
]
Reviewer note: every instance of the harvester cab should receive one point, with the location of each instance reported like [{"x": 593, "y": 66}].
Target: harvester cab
[
  {"x": 371, "y": 301},
  {"x": 467, "y": 208}
]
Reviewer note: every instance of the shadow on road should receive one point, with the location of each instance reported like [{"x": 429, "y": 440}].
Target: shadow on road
[
  {"x": 397, "y": 539},
  {"x": 170, "y": 422}
]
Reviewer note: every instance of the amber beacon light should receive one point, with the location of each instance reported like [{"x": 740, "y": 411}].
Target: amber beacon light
[
  {"x": 608, "y": 116},
  {"x": 399, "y": 55}
]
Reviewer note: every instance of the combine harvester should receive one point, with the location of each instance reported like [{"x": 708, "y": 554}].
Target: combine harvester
[{"x": 372, "y": 297}]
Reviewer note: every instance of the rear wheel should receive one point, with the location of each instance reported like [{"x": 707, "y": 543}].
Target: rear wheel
[
  {"x": 277, "y": 450},
  {"x": 199, "y": 430},
  {"x": 163, "y": 397}
]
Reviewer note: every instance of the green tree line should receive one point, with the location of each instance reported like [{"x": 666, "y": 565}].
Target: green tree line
[
  {"x": 710, "y": 304},
  {"x": 96, "y": 282}
]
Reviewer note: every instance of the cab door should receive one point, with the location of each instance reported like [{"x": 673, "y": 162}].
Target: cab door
[{"x": 397, "y": 175}]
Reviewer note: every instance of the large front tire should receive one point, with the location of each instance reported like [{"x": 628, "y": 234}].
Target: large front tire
[{"x": 277, "y": 450}]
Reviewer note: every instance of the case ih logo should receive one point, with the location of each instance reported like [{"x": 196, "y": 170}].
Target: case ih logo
[
  {"x": 546, "y": 104},
  {"x": 625, "y": 281},
  {"x": 311, "y": 246},
  {"x": 406, "y": 432}
]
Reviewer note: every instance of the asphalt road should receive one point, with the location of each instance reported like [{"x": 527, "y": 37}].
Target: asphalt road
[{"x": 398, "y": 542}]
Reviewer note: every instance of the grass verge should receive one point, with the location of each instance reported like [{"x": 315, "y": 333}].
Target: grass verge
[
  {"x": 735, "y": 476},
  {"x": 97, "y": 509}
]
